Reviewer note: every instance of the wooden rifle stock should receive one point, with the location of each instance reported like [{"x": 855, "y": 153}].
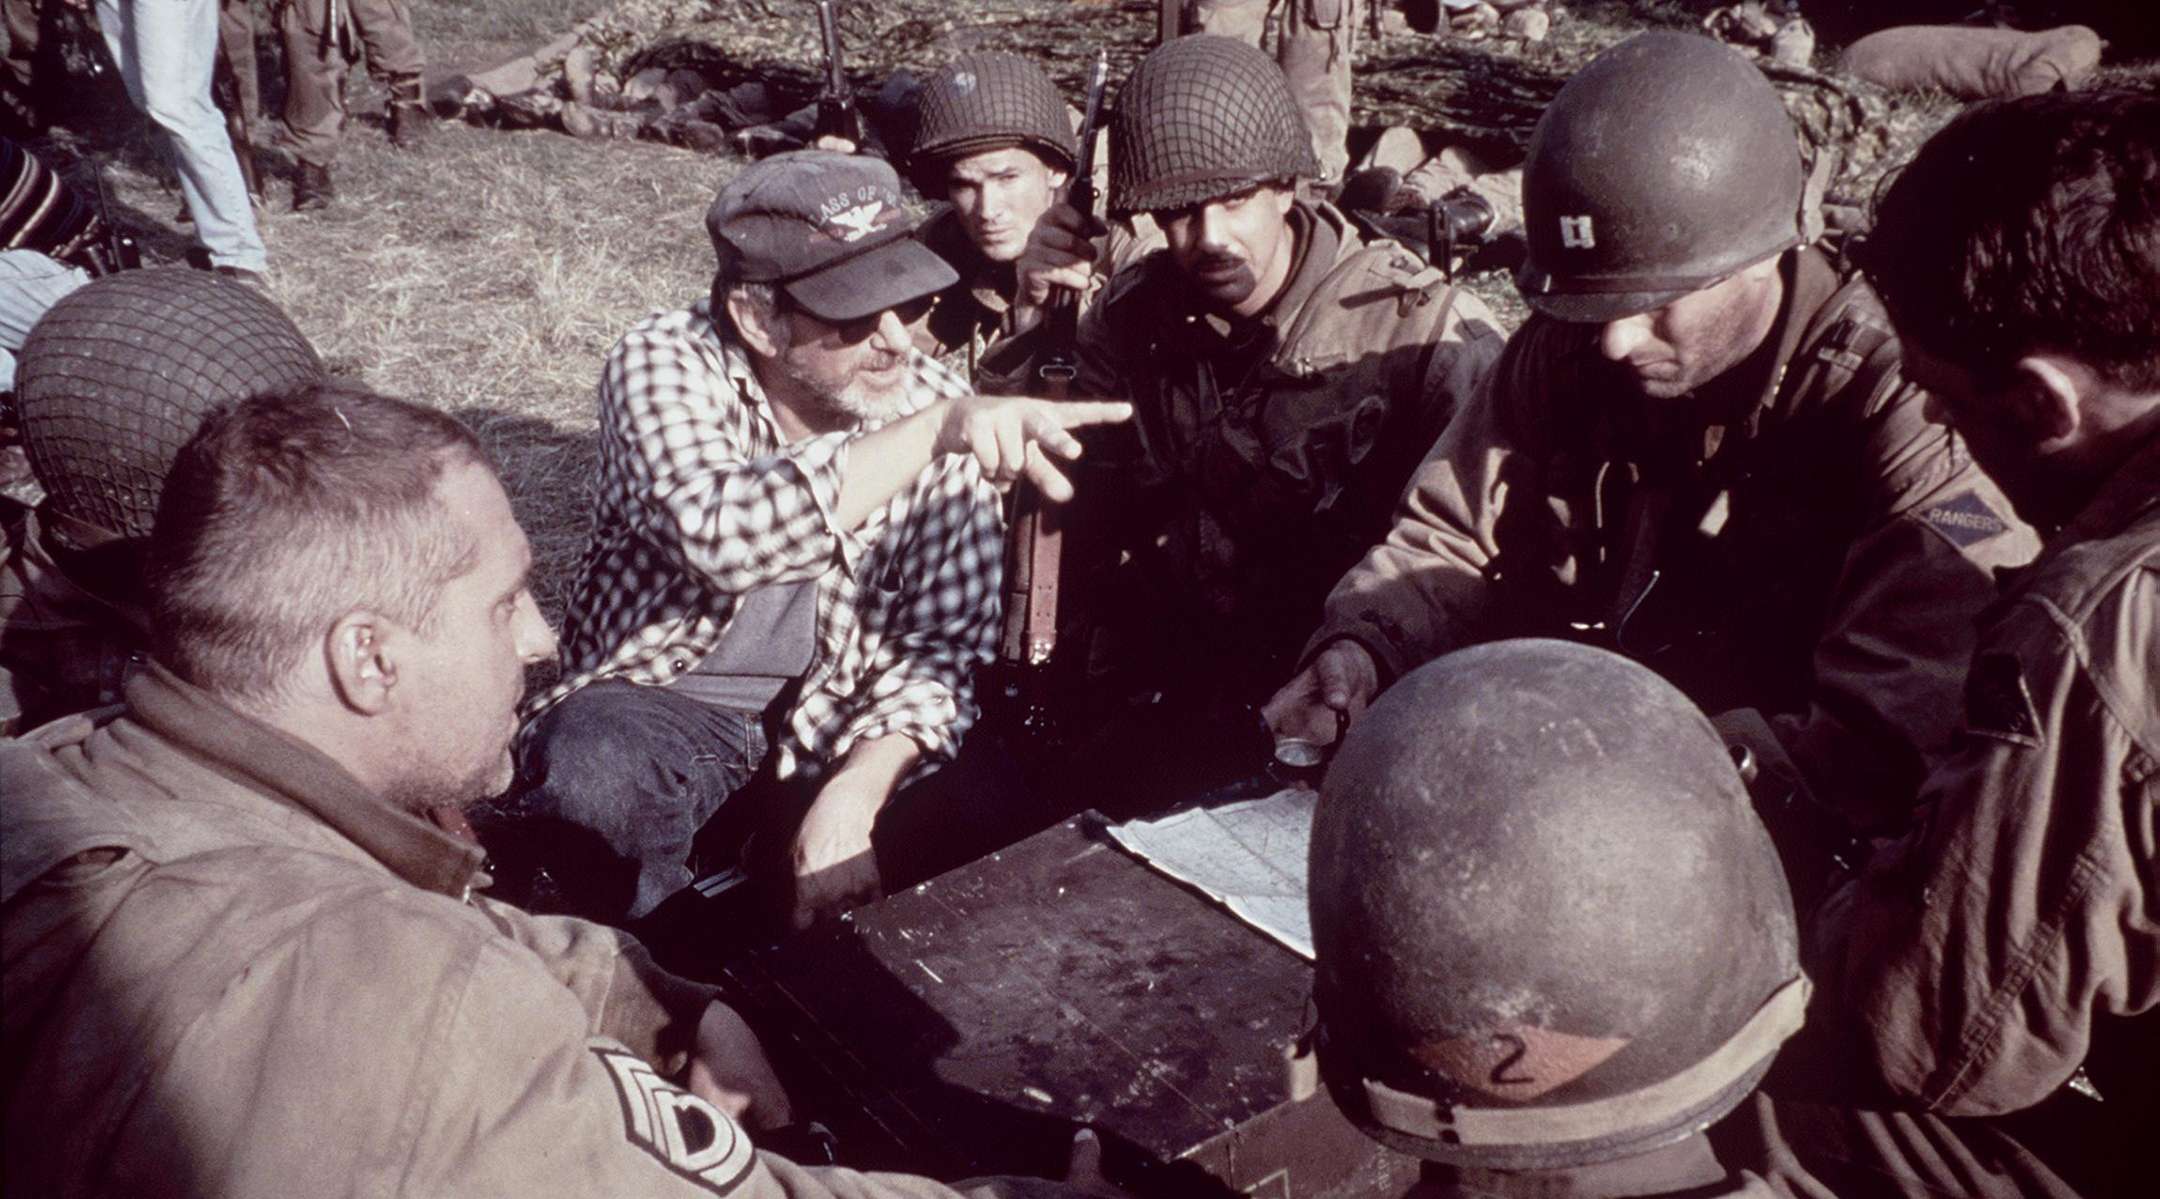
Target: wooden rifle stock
[{"x": 1035, "y": 542}]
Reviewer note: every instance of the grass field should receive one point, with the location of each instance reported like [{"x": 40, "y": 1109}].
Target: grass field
[
  {"x": 488, "y": 273},
  {"x": 491, "y": 272}
]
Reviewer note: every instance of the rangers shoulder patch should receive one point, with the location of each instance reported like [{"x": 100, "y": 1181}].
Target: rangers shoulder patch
[
  {"x": 688, "y": 1135},
  {"x": 1965, "y": 519}
]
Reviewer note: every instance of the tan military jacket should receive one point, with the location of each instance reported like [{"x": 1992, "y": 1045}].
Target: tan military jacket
[
  {"x": 1816, "y": 558},
  {"x": 2002, "y": 943},
  {"x": 230, "y": 971},
  {"x": 1264, "y": 457}
]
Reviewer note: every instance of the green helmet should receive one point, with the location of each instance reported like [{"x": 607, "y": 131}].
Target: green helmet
[
  {"x": 118, "y": 375},
  {"x": 1203, "y": 118},
  {"x": 988, "y": 101},
  {"x": 1550, "y": 930},
  {"x": 1664, "y": 166}
]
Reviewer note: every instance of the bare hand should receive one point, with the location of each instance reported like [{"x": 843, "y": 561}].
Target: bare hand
[
  {"x": 729, "y": 1069},
  {"x": 1326, "y": 696},
  {"x": 1013, "y": 437},
  {"x": 835, "y": 868},
  {"x": 1060, "y": 253},
  {"x": 833, "y": 143}
]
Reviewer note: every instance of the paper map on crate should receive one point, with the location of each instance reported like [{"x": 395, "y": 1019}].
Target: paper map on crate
[{"x": 1250, "y": 855}]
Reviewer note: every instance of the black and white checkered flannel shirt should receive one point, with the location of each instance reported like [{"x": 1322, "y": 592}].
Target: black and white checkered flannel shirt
[{"x": 700, "y": 498}]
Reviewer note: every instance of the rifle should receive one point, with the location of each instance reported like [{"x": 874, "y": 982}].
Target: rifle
[
  {"x": 1061, "y": 311},
  {"x": 1035, "y": 541},
  {"x": 836, "y": 113}
]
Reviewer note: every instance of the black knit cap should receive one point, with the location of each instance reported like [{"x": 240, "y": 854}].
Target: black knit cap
[
  {"x": 1203, "y": 118},
  {"x": 987, "y": 101}
]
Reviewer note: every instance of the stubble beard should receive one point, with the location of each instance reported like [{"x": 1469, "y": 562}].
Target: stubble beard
[
  {"x": 857, "y": 401},
  {"x": 418, "y": 794}
]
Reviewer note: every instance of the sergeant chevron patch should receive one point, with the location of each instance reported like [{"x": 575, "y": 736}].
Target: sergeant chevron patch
[{"x": 689, "y": 1135}]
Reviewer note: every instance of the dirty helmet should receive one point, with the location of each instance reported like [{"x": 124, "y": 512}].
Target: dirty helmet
[
  {"x": 117, "y": 376},
  {"x": 1203, "y": 118},
  {"x": 988, "y": 101},
  {"x": 1664, "y": 166},
  {"x": 1550, "y": 931}
]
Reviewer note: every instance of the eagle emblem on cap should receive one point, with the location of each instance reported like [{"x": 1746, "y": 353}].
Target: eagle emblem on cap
[{"x": 859, "y": 222}]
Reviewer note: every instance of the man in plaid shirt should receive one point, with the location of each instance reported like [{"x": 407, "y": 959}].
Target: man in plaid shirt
[{"x": 797, "y": 516}]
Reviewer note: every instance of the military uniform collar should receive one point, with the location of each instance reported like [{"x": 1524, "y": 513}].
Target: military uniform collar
[
  {"x": 1318, "y": 236},
  {"x": 297, "y": 774},
  {"x": 2128, "y": 493},
  {"x": 1809, "y": 283}
]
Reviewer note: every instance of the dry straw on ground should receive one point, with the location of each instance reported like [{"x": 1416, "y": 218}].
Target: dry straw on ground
[
  {"x": 488, "y": 273},
  {"x": 491, "y": 272}
]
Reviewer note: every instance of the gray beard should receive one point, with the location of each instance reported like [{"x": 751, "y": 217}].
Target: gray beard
[{"x": 853, "y": 403}]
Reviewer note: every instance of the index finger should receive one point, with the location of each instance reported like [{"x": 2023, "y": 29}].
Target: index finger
[{"x": 1073, "y": 414}]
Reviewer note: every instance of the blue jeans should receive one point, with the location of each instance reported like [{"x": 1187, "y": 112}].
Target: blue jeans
[
  {"x": 30, "y": 283},
  {"x": 619, "y": 780},
  {"x": 166, "y": 51}
]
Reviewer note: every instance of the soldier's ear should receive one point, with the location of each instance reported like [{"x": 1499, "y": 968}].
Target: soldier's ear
[
  {"x": 363, "y": 670},
  {"x": 2054, "y": 393}
]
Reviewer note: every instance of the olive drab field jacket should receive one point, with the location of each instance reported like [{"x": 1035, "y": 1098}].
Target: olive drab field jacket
[
  {"x": 1809, "y": 565},
  {"x": 231, "y": 971},
  {"x": 2012, "y": 938},
  {"x": 1265, "y": 456}
]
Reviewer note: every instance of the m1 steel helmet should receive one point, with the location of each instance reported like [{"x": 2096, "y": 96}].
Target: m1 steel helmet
[
  {"x": 989, "y": 101},
  {"x": 118, "y": 375},
  {"x": 1664, "y": 166},
  {"x": 1550, "y": 930},
  {"x": 1203, "y": 118}
]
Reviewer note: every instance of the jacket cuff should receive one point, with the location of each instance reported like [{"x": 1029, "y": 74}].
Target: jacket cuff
[{"x": 1389, "y": 661}]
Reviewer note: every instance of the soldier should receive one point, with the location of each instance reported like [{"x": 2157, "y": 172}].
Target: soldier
[
  {"x": 996, "y": 145},
  {"x": 2000, "y": 957},
  {"x": 1553, "y": 943},
  {"x": 322, "y": 39},
  {"x": 1699, "y": 451},
  {"x": 238, "y": 961},
  {"x": 101, "y": 426},
  {"x": 1287, "y": 377},
  {"x": 796, "y": 550}
]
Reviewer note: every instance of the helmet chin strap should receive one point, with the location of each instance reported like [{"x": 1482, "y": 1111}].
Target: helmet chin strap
[
  {"x": 1646, "y": 1108},
  {"x": 74, "y": 532}
]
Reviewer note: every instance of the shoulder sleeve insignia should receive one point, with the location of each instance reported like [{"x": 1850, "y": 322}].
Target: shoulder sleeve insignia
[
  {"x": 1965, "y": 519},
  {"x": 688, "y": 1135},
  {"x": 1998, "y": 703}
]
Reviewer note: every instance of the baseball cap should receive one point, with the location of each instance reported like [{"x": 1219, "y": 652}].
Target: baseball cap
[{"x": 829, "y": 230}]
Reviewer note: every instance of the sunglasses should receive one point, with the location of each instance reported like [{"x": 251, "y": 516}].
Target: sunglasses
[{"x": 857, "y": 331}]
